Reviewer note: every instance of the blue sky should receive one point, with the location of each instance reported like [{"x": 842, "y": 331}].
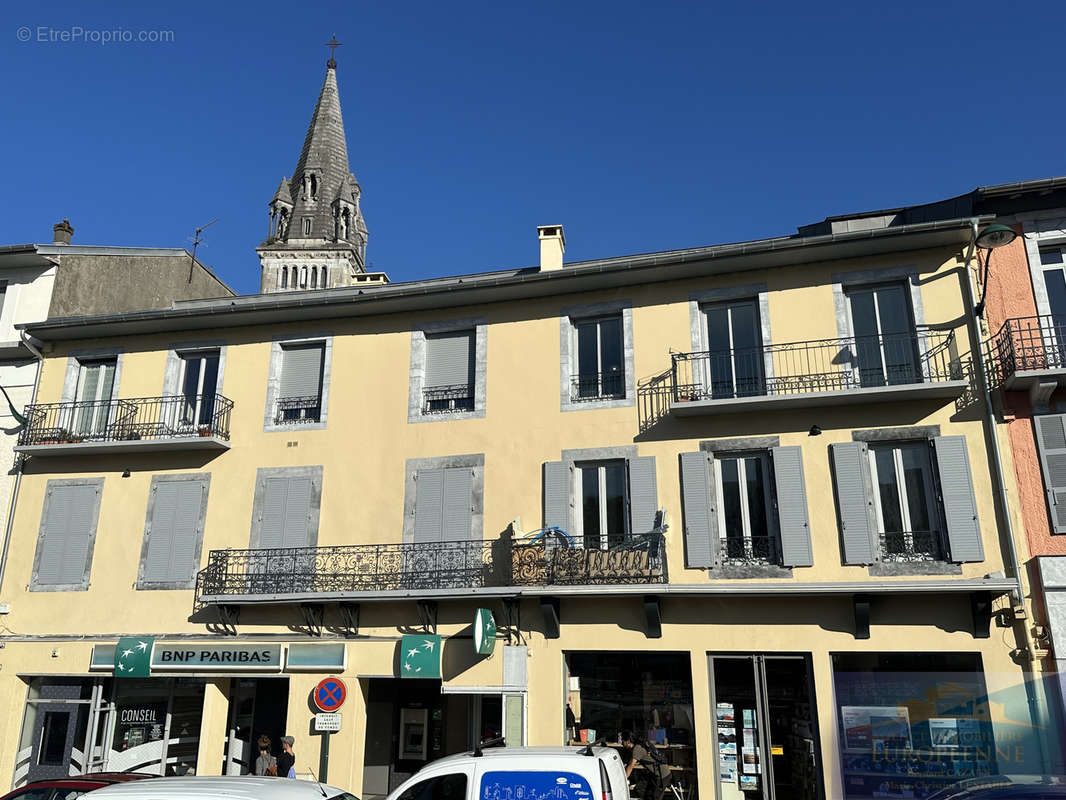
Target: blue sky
[{"x": 639, "y": 127}]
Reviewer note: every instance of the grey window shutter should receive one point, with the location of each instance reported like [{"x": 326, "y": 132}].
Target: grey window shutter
[
  {"x": 957, "y": 496},
  {"x": 301, "y": 370},
  {"x": 699, "y": 508},
  {"x": 791, "y": 492},
  {"x": 173, "y": 532},
  {"x": 1051, "y": 443},
  {"x": 429, "y": 504},
  {"x": 458, "y": 499},
  {"x": 286, "y": 510},
  {"x": 557, "y": 484},
  {"x": 851, "y": 468},
  {"x": 643, "y": 494},
  {"x": 65, "y": 535},
  {"x": 450, "y": 359}
]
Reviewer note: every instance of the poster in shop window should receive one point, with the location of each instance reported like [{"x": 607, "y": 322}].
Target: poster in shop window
[
  {"x": 138, "y": 723},
  {"x": 875, "y": 728}
]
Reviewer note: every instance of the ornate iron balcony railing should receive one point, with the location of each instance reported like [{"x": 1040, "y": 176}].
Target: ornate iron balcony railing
[
  {"x": 598, "y": 386},
  {"x": 444, "y": 565},
  {"x": 298, "y": 410},
  {"x": 154, "y": 418},
  {"x": 799, "y": 368},
  {"x": 443, "y": 399},
  {"x": 910, "y": 546},
  {"x": 1028, "y": 343},
  {"x": 743, "y": 551}
]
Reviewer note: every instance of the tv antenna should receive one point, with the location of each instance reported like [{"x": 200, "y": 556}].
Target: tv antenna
[{"x": 196, "y": 243}]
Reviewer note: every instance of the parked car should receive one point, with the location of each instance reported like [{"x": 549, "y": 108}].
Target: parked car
[
  {"x": 1005, "y": 787},
  {"x": 70, "y": 788},
  {"x": 507, "y": 773},
  {"x": 223, "y": 788}
]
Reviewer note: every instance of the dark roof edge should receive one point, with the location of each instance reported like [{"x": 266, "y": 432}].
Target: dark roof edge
[
  {"x": 582, "y": 276},
  {"x": 1039, "y": 184}
]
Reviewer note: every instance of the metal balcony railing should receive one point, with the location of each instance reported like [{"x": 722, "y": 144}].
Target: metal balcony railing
[
  {"x": 151, "y": 418},
  {"x": 1028, "y": 343},
  {"x": 444, "y": 399},
  {"x": 747, "y": 551},
  {"x": 298, "y": 410},
  {"x": 444, "y": 565},
  {"x": 910, "y": 546},
  {"x": 598, "y": 386},
  {"x": 799, "y": 368}
]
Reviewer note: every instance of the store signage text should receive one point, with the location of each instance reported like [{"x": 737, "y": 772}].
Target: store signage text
[
  {"x": 252, "y": 657},
  {"x": 145, "y": 716}
]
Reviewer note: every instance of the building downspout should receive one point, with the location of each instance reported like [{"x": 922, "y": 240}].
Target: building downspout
[
  {"x": 1034, "y": 693},
  {"x": 32, "y": 344}
]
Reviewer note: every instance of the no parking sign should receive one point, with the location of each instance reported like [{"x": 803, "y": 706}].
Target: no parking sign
[{"x": 329, "y": 694}]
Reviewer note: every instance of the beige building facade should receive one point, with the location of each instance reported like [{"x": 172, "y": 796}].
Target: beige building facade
[{"x": 735, "y": 498}]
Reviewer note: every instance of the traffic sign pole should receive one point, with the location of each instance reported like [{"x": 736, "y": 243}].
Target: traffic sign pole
[
  {"x": 328, "y": 697},
  {"x": 323, "y": 759}
]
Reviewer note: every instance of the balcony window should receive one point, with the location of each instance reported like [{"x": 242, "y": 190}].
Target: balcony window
[
  {"x": 745, "y": 511},
  {"x": 199, "y": 385},
  {"x": 96, "y": 384},
  {"x": 600, "y": 359},
  {"x": 300, "y": 392},
  {"x": 603, "y": 521},
  {"x": 734, "y": 364},
  {"x": 885, "y": 350},
  {"x": 907, "y": 519},
  {"x": 449, "y": 385}
]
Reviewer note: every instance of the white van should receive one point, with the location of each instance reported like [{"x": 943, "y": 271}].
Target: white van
[{"x": 521, "y": 773}]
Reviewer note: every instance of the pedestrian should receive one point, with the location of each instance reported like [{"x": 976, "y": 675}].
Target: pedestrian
[
  {"x": 656, "y": 773},
  {"x": 265, "y": 764},
  {"x": 287, "y": 759}
]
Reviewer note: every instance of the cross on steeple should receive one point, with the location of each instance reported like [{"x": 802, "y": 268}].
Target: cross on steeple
[{"x": 332, "y": 44}]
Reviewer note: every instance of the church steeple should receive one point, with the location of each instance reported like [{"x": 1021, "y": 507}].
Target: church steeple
[{"x": 315, "y": 215}]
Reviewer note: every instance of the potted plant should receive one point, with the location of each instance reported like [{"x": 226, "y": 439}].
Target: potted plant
[{"x": 204, "y": 430}]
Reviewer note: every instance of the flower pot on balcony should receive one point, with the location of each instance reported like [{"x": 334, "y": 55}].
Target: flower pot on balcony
[{"x": 204, "y": 430}]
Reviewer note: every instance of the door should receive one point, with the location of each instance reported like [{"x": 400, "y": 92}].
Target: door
[
  {"x": 734, "y": 365},
  {"x": 1053, "y": 327},
  {"x": 199, "y": 382},
  {"x": 885, "y": 341},
  {"x": 57, "y": 746},
  {"x": 96, "y": 383},
  {"x": 765, "y": 728}
]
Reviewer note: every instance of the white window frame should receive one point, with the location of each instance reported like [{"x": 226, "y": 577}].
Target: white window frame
[
  {"x": 184, "y": 358},
  {"x": 578, "y": 494},
  {"x": 596, "y": 320},
  {"x": 745, "y": 510},
  {"x": 728, "y": 306},
  {"x": 901, "y": 488},
  {"x": 908, "y": 297}
]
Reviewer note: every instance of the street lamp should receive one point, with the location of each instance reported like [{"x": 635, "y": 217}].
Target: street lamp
[{"x": 992, "y": 237}]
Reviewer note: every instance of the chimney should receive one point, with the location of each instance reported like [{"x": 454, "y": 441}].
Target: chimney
[
  {"x": 552, "y": 246},
  {"x": 62, "y": 232}
]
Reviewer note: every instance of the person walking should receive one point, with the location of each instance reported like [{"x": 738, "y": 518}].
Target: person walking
[
  {"x": 265, "y": 764},
  {"x": 287, "y": 759}
]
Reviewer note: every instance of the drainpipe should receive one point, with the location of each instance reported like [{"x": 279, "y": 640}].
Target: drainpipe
[
  {"x": 33, "y": 344},
  {"x": 1034, "y": 694}
]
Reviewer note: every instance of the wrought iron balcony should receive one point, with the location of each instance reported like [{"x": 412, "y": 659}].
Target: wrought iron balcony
[
  {"x": 445, "y": 399},
  {"x": 142, "y": 423},
  {"x": 598, "y": 386},
  {"x": 298, "y": 410},
  {"x": 234, "y": 576},
  {"x": 820, "y": 372},
  {"x": 910, "y": 546},
  {"x": 746, "y": 551},
  {"x": 1029, "y": 351}
]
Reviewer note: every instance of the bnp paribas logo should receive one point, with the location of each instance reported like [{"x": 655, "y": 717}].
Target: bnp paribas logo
[{"x": 133, "y": 657}]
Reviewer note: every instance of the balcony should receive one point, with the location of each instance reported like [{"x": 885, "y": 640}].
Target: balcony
[
  {"x": 298, "y": 410},
  {"x": 446, "y": 399},
  {"x": 747, "y": 551},
  {"x": 865, "y": 369},
  {"x": 597, "y": 386},
  {"x": 232, "y": 577},
  {"x": 1029, "y": 354},
  {"x": 910, "y": 546},
  {"x": 177, "y": 422}
]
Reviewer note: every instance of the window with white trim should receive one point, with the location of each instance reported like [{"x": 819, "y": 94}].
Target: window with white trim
[
  {"x": 600, "y": 359},
  {"x": 747, "y": 528},
  {"x": 1053, "y": 265},
  {"x": 734, "y": 350},
  {"x": 199, "y": 385},
  {"x": 95, "y": 391},
  {"x": 602, "y": 520},
  {"x": 908, "y": 521}
]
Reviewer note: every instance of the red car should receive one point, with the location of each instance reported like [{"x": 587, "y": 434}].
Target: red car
[{"x": 70, "y": 788}]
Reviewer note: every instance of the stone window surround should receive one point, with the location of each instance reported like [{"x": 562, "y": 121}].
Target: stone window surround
[
  {"x": 843, "y": 281},
  {"x": 698, "y": 301},
  {"x": 172, "y": 372},
  {"x": 571, "y": 457},
  {"x": 74, "y": 359},
  {"x": 568, "y": 319},
  {"x": 192, "y": 477},
  {"x": 83, "y": 585},
  {"x": 418, "y": 368},
  {"x": 1041, "y": 230},
  {"x": 475, "y": 461},
  {"x": 261, "y": 475},
  {"x": 274, "y": 380}
]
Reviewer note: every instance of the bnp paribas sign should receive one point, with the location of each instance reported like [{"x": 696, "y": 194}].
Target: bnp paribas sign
[{"x": 142, "y": 656}]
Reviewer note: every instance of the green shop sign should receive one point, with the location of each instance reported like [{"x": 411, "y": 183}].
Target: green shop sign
[
  {"x": 484, "y": 632},
  {"x": 133, "y": 657},
  {"x": 420, "y": 656}
]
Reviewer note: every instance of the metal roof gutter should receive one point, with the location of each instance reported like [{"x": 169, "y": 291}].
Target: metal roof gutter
[
  {"x": 507, "y": 285},
  {"x": 1042, "y": 184}
]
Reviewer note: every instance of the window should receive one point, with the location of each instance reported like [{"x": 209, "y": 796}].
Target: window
[
  {"x": 600, "y": 359},
  {"x": 449, "y": 384},
  {"x": 734, "y": 358},
  {"x": 300, "y": 389},
  {"x": 902, "y": 476},
  {"x": 285, "y": 510},
  {"x": 314, "y": 277},
  {"x": 173, "y": 531},
  {"x": 307, "y": 226},
  {"x": 604, "y": 520},
  {"x": 95, "y": 391},
  {"x": 885, "y": 340},
  {"x": 443, "y": 504},
  {"x": 284, "y": 277},
  {"x": 442, "y": 787},
  {"x": 199, "y": 384},
  {"x": 53, "y": 750},
  {"x": 324, "y": 276},
  {"x": 745, "y": 509},
  {"x": 68, "y": 530},
  {"x": 1053, "y": 264}
]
